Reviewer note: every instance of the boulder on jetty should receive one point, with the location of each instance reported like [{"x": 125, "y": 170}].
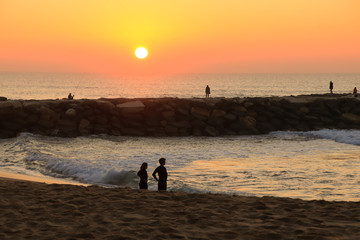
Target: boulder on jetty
[{"x": 178, "y": 117}]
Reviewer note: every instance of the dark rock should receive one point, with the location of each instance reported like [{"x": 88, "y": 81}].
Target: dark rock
[
  {"x": 105, "y": 106},
  {"x": 292, "y": 115},
  {"x": 211, "y": 131},
  {"x": 327, "y": 120},
  {"x": 152, "y": 122},
  {"x": 217, "y": 113},
  {"x": 7, "y": 133},
  {"x": 183, "y": 111},
  {"x": 47, "y": 124},
  {"x": 101, "y": 120},
  {"x": 215, "y": 121},
  {"x": 252, "y": 113},
  {"x": 265, "y": 127},
  {"x": 170, "y": 114},
  {"x": 182, "y": 124},
  {"x": 70, "y": 113},
  {"x": 184, "y": 132},
  {"x": 311, "y": 118},
  {"x": 6, "y": 106},
  {"x": 47, "y": 114},
  {"x": 156, "y": 132},
  {"x": 115, "y": 132},
  {"x": 134, "y": 117},
  {"x": 32, "y": 106},
  {"x": 304, "y": 110},
  {"x": 302, "y": 127},
  {"x": 3, "y": 99},
  {"x": 131, "y": 107},
  {"x": 132, "y": 132},
  {"x": 248, "y": 122},
  {"x": 278, "y": 111},
  {"x": 171, "y": 130},
  {"x": 32, "y": 118},
  {"x": 66, "y": 131},
  {"x": 352, "y": 118},
  {"x": 230, "y": 117},
  {"x": 235, "y": 126},
  {"x": 248, "y": 104},
  {"x": 197, "y": 132},
  {"x": 100, "y": 129},
  {"x": 67, "y": 123},
  {"x": 198, "y": 124},
  {"x": 85, "y": 124},
  {"x": 11, "y": 126},
  {"x": 201, "y": 113}
]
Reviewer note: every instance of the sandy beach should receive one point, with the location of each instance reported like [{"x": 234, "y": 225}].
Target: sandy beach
[{"x": 34, "y": 210}]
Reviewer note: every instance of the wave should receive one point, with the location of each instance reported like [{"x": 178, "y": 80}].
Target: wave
[
  {"x": 87, "y": 173},
  {"x": 341, "y": 136}
]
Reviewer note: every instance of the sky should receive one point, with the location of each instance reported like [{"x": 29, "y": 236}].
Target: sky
[{"x": 181, "y": 36}]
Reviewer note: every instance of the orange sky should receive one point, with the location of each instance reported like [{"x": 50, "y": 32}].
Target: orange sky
[{"x": 182, "y": 36}]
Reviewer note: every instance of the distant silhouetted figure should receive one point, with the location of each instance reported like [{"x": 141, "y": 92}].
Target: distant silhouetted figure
[
  {"x": 331, "y": 86},
  {"x": 207, "y": 91},
  {"x": 355, "y": 92},
  {"x": 161, "y": 171},
  {"x": 143, "y": 176},
  {"x": 70, "y": 97}
]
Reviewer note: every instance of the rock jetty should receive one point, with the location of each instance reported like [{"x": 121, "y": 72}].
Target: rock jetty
[{"x": 178, "y": 117}]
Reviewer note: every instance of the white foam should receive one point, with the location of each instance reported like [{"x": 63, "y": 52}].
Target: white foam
[
  {"x": 87, "y": 173},
  {"x": 340, "y": 136}
]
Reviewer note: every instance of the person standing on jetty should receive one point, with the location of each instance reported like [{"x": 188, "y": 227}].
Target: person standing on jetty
[
  {"x": 207, "y": 91},
  {"x": 331, "y": 87},
  {"x": 143, "y": 184},
  {"x": 161, "y": 171}
]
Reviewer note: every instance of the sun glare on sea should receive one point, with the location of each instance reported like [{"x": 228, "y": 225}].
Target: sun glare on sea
[{"x": 141, "y": 52}]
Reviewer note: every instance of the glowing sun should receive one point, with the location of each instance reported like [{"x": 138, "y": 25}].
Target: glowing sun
[{"x": 141, "y": 52}]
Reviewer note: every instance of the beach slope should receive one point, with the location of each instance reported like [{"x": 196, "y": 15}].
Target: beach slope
[{"x": 32, "y": 210}]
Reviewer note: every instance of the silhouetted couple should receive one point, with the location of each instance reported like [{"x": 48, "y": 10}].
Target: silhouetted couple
[{"x": 160, "y": 171}]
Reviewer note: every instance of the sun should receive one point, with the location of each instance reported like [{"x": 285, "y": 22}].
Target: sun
[{"x": 141, "y": 52}]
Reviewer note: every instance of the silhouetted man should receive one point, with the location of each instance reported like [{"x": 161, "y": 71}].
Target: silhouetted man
[
  {"x": 331, "y": 86},
  {"x": 207, "y": 91},
  {"x": 161, "y": 171},
  {"x": 70, "y": 97}
]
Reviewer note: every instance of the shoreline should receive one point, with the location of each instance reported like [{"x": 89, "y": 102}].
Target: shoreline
[
  {"x": 32, "y": 210},
  {"x": 39, "y": 179}
]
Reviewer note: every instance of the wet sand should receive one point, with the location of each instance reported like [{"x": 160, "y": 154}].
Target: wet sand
[{"x": 34, "y": 210}]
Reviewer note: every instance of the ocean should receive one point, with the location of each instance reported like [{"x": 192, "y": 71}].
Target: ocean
[
  {"x": 58, "y": 85},
  {"x": 323, "y": 164}
]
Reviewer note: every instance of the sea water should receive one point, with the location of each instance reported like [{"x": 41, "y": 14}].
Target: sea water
[
  {"x": 58, "y": 85},
  {"x": 321, "y": 164}
]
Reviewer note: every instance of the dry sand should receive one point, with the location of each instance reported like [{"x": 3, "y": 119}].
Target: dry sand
[{"x": 33, "y": 210}]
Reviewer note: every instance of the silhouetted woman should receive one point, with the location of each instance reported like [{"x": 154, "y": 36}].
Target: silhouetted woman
[{"x": 143, "y": 176}]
